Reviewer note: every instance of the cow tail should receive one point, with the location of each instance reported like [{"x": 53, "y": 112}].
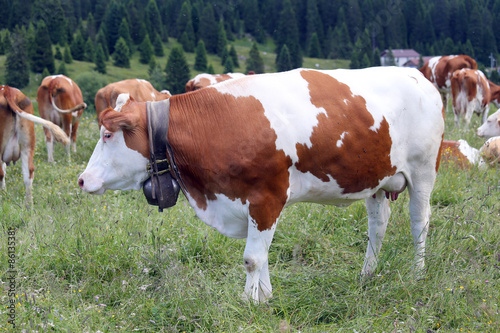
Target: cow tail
[{"x": 56, "y": 131}]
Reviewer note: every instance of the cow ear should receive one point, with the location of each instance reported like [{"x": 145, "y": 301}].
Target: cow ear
[{"x": 114, "y": 120}]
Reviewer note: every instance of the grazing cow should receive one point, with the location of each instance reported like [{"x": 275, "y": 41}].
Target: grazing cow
[
  {"x": 331, "y": 137},
  {"x": 138, "y": 89},
  {"x": 17, "y": 135},
  {"x": 490, "y": 151},
  {"x": 440, "y": 69},
  {"x": 470, "y": 91},
  {"x": 60, "y": 101},
  {"x": 204, "y": 80},
  {"x": 491, "y": 127},
  {"x": 460, "y": 153}
]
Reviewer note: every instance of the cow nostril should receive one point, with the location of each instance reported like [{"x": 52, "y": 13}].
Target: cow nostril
[{"x": 80, "y": 182}]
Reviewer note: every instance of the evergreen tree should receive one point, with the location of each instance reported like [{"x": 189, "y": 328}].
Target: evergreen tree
[
  {"x": 234, "y": 56},
  {"x": 62, "y": 69},
  {"x": 16, "y": 64},
  {"x": 123, "y": 31},
  {"x": 184, "y": 19},
  {"x": 209, "y": 29},
  {"x": 121, "y": 54},
  {"x": 145, "y": 51},
  {"x": 6, "y": 41},
  {"x": 314, "y": 47},
  {"x": 365, "y": 61},
  {"x": 288, "y": 33},
  {"x": 113, "y": 20},
  {"x": 45, "y": 73},
  {"x": 228, "y": 65},
  {"x": 158, "y": 46},
  {"x": 30, "y": 35},
  {"x": 89, "y": 50},
  {"x": 101, "y": 39},
  {"x": 78, "y": 47},
  {"x": 51, "y": 12},
  {"x": 153, "y": 19},
  {"x": 177, "y": 71},
  {"x": 254, "y": 61},
  {"x": 284, "y": 61},
  {"x": 67, "y": 58},
  {"x": 221, "y": 39},
  {"x": 210, "y": 69},
  {"x": 58, "y": 54},
  {"x": 200, "y": 61},
  {"x": 156, "y": 75},
  {"x": 43, "y": 56},
  {"x": 100, "y": 60},
  {"x": 448, "y": 47},
  {"x": 187, "y": 44},
  {"x": 224, "y": 56}
]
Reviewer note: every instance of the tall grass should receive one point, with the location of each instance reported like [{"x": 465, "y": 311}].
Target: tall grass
[{"x": 112, "y": 263}]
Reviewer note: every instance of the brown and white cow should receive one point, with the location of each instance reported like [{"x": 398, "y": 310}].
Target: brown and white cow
[
  {"x": 490, "y": 151},
  {"x": 17, "y": 135},
  {"x": 470, "y": 90},
  {"x": 205, "y": 80},
  {"x": 140, "y": 90},
  {"x": 491, "y": 127},
  {"x": 245, "y": 149},
  {"x": 461, "y": 154},
  {"x": 60, "y": 101},
  {"x": 440, "y": 69}
]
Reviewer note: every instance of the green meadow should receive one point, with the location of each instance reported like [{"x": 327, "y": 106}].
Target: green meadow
[{"x": 112, "y": 263}]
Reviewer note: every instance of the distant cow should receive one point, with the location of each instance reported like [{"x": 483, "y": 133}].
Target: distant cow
[
  {"x": 17, "y": 135},
  {"x": 490, "y": 151},
  {"x": 140, "y": 90},
  {"x": 60, "y": 101},
  {"x": 470, "y": 90},
  {"x": 243, "y": 150},
  {"x": 461, "y": 154},
  {"x": 440, "y": 69},
  {"x": 491, "y": 127},
  {"x": 204, "y": 80}
]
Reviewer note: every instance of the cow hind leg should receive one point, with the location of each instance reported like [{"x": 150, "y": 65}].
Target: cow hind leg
[
  {"x": 420, "y": 211},
  {"x": 28, "y": 172},
  {"x": 49, "y": 140},
  {"x": 379, "y": 211},
  {"x": 258, "y": 285}
]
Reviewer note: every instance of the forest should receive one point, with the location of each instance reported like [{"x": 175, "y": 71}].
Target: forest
[{"x": 357, "y": 30}]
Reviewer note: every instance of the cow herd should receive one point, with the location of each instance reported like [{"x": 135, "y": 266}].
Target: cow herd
[{"x": 244, "y": 147}]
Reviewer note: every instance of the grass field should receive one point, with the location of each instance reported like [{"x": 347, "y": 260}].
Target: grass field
[{"x": 112, "y": 263}]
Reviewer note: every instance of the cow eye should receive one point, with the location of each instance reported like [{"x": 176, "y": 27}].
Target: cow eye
[{"x": 107, "y": 136}]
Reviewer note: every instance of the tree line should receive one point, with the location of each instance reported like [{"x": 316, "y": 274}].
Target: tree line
[{"x": 95, "y": 30}]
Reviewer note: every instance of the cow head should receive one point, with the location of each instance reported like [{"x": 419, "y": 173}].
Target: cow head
[
  {"x": 491, "y": 127},
  {"x": 120, "y": 158}
]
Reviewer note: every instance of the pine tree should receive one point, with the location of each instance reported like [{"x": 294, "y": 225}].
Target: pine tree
[
  {"x": 228, "y": 65},
  {"x": 57, "y": 55},
  {"x": 51, "y": 12},
  {"x": 124, "y": 32},
  {"x": 183, "y": 19},
  {"x": 62, "y": 69},
  {"x": 101, "y": 39},
  {"x": 288, "y": 33},
  {"x": 145, "y": 51},
  {"x": 100, "y": 60},
  {"x": 210, "y": 69},
  {"x": 45, "y": 73},
  {"x": 177, "y": 71},
  {"x": 224, "y": 56},
  {"x": 284, "y": 61},
  {"x": 208, "y": 29},
  {"x": 156, "y": 75},
  {"x": 153, "y": 19},
  {"x": 234, "y": 56},
  {"x": 113, "y": 20},
  {"x": 42, "y": 54},
  {"x": 314, "y": 47},
  {"x": 67, "y": 58},
  {"x": 89, "y": 50},
  {"x": 16, "y": 64},
  {"x": 221, "y": 39},
  {"x": 78, "y": 47},
  {"x": 157, "y": 46},
  {"x": 254, "y": 61},
  {"x": 121, "y": 54},
  {"x": 200, "y": 61}
]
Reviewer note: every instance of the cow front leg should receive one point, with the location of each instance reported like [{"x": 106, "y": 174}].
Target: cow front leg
[
  {"x": 255, "y": 258},
  {"x": 28, "y": 169},
  {"x": 379, "y": 211},
  {"x": 3, "y": 169}
]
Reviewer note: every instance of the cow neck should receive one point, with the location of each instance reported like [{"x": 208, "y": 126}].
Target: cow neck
[{"x": 159, "y": 147}]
